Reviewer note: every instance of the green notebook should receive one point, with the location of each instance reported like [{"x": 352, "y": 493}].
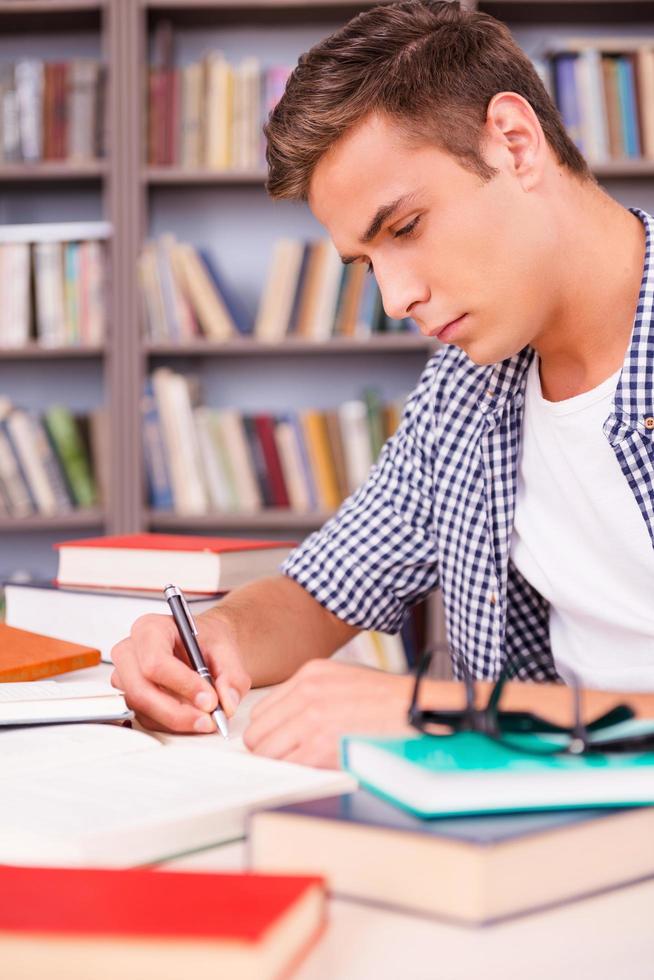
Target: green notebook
[{"x": 469, "y": 773}]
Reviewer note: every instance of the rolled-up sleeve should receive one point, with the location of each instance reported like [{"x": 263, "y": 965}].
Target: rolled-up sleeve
[{"x": 376, "y": 557}]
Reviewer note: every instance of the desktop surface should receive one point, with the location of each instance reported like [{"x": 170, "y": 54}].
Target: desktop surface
[{"x": 597, "y": 938}]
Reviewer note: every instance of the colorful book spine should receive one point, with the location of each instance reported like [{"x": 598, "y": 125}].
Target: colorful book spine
[
  {"x": 628, "y": 108},
  {"x": 66, "y": 439},
  {"x": 567, "y": 96}
]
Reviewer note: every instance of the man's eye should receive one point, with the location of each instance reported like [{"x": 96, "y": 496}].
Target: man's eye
[{"x": 408, "y": 229}]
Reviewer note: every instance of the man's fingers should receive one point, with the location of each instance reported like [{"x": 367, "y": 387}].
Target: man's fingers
[
  {"x": 150, "y": 701},
  {"x": 278, "y": 693},
  {"x": 230, "y": 680},
  {"x": 278, "y": 730},
  {"x": 179, "y": 679},
  {"x": 278, "y": 742}
]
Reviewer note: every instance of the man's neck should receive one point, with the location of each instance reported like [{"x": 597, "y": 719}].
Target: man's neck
[{"x": 602, "y": 256}]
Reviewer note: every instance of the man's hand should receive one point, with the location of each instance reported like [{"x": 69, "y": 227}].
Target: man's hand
[
  {"x": 164, "y": 691},
  {"x": 303, "y": 719}
]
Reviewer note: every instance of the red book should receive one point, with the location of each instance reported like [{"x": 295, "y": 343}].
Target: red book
[
  {"x": 265, "y": 429},
  {"x": 60, "y": 111},
  {"x": 80, "y": 923},
  {"x": 153, "y": 561},
  {"x": 48, "y": 112}
]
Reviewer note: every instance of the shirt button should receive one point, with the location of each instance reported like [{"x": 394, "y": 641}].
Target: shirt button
[
  {"x": 649, "y": 422},
  {"x": 492, "y": 599}
]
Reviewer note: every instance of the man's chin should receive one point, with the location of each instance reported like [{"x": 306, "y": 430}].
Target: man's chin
[{"x": 485, "y": 354}]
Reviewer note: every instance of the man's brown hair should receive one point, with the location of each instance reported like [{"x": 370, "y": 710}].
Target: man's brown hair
[{"x": 430, "y": 66}]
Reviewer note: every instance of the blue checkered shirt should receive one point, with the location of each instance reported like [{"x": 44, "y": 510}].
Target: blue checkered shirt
[{"x": 437, "y": 508}]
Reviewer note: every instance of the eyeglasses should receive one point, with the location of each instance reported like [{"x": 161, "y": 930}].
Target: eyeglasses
[{"x": 524, "y": 731}]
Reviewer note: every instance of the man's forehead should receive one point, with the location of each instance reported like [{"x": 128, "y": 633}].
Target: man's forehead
[{"x": 357, "y": 177}]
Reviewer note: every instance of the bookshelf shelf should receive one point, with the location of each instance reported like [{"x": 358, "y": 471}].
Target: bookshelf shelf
[
  {"x": 51, "y": 15},
  {"x": 578, "y": 12},
  {"x": 48, "y": 6},
  {"x": 53, "y": 171},
  {"x": 266, "y": 520},
  {"x": 75, "y": 520},
  {"x": 338, "y": 345},
  {"x": 34, "y": 352},
  {"x": 179, "y": 175},
  {"x": 625, "y": 169}
]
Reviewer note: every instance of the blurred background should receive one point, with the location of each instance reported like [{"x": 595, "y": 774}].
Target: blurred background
[{"x": 178, "y": 352}]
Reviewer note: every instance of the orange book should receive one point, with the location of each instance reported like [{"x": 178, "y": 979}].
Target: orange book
[
  {"x": 321, "y": 458},
  {"x": 27, "y": 656}
]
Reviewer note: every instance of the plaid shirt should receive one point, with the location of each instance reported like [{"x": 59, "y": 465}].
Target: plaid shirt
[{"x": 437, "y": 508}]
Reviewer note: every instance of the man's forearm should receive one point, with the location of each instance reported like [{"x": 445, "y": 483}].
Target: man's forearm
[
  {"x": 552, "y": 701},
  {"x": 278, "y": 626}
]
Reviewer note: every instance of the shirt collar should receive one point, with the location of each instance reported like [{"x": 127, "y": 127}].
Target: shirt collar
[{"x": 634, "y": 394}]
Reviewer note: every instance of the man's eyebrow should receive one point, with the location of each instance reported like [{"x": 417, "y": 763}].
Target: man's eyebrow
[{"x": 382, "y": 214}]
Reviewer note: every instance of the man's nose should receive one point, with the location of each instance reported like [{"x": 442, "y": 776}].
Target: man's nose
[{"x": 400, "y": 290}]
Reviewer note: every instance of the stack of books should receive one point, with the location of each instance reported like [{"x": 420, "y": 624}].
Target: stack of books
[
  {"x": 604, "y": 89},
  {"x": 310, "y": 293},
  {"x": 200, "y": 459},
  {"x": 208, "y": 114},
  {"x": 104, "y": 584},
  {"x": 53, "y": 284},
  {"x": 184, "y": 296},
  {"x": 46, "y": 462},
  {"x": 52, "y": 111}
]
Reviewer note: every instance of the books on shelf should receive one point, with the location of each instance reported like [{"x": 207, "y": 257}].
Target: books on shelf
[
  {"x": 241, "y": 926},
  {"x": 52, "y": 111},
  {"x": 208, "y": 114},
  {"x": 54, "y": 278},
  {"x": 201, "y": 460},
  {"x": 97, "y": 617},
  {"x": 152, "y": 561},
  {"x": 471, "y": 869},
  {"x": 604, "y": 89},
  {"x": 47, "y": 461},
  {"x": 309, "y": 293},
  {"x": 184, "y": 296}
]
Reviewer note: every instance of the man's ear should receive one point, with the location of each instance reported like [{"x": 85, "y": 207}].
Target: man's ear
[{"x": 513, "y": 138}]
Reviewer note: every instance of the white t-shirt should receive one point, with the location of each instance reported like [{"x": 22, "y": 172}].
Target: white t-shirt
[{"x": 580, "y": 540}]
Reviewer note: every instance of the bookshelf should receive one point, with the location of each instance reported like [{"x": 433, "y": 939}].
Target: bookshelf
[{"x": 226, "y": 211}]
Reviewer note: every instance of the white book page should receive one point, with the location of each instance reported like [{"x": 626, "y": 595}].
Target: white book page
[
  {"x": 236, "y": 724},
  {"x": 145, "y": 806},
  {"x": 54, "y": 691},
  {"x": 31, "y": 752}
]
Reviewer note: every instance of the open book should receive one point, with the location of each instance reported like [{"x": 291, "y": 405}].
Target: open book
[{"x": 103, "y": 795}]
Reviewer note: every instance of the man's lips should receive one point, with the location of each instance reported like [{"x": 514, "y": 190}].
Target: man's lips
[{"x": 446, "y": 330}]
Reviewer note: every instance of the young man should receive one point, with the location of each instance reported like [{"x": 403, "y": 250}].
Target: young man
[{"x": 520, "y": 479}]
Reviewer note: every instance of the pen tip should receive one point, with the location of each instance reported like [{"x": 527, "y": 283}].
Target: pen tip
[{"x": 221, "y": 723}]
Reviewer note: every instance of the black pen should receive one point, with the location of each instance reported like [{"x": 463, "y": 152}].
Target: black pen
[{"x": 188, "y": 632}]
